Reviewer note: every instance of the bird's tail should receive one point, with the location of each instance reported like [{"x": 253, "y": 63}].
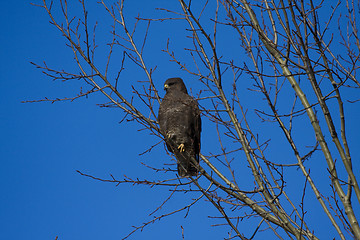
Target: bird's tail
[{"x": 185, "y": 166}]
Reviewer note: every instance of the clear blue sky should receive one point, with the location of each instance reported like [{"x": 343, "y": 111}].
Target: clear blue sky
[{"x": 42, "y": 145}]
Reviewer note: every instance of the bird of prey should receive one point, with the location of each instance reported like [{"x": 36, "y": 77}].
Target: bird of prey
[{"x": 180, "y": 123}]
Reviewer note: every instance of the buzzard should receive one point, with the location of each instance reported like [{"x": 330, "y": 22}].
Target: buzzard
[{"x": 180, "y": 123}]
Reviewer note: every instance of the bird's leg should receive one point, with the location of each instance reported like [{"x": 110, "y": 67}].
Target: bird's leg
[
  {"x": 181, "y": 147},
  {"x": 170, "y": 135}
]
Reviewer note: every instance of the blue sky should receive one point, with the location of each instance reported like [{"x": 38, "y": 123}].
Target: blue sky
[{"x": 42, "y": 145}]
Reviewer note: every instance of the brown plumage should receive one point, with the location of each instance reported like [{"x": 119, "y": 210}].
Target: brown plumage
[{"x": 180, "y": 123}]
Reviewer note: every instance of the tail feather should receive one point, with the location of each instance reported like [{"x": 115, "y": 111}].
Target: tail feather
[{"x": 185, "y": 166}]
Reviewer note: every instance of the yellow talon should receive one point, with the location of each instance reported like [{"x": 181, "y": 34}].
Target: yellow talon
[{"x": 181, "y": 147}]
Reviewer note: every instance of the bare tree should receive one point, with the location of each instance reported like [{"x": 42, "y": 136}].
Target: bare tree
[{"x": 300, "y": 61}]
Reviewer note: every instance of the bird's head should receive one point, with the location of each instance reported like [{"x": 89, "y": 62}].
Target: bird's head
[{"x": 175, "y": 84}]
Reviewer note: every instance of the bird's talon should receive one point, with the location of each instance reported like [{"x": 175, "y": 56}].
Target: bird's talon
[{"x": 181, "y": 147}]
